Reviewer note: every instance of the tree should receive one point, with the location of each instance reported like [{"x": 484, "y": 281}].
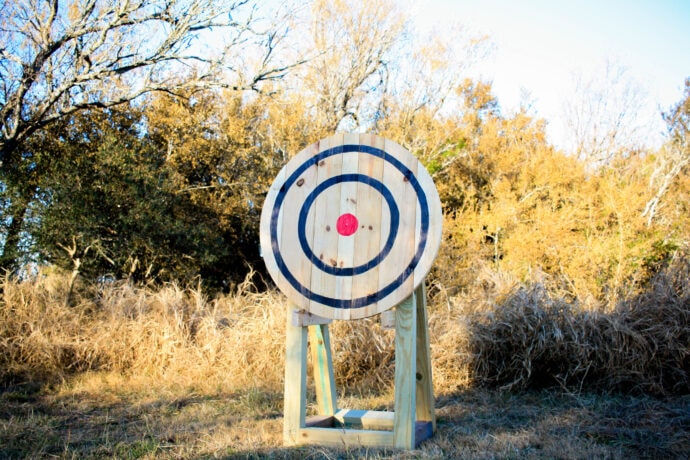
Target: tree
[
  {"x": 111, "y": 205},
  {"x": 603, "y": 117},
  {"x": 59, "y": 58},
  {"x": 225, "y": 149},
  {"x": 464, "y": 168},
  {"x": 352, "y": 44},
  {"x": 422, "y": 102}
]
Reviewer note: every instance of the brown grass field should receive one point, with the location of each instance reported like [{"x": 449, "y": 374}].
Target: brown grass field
[
  {"x": 118, "y": 371},
  {"x": 110, "y": 416}
]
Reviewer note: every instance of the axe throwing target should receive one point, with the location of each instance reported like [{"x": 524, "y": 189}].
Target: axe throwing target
[{"x": 350, "y": 226}]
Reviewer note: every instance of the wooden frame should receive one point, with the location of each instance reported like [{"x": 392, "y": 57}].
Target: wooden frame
[{"x": 413, "y": 419}]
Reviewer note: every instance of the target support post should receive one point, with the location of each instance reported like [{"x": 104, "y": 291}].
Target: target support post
[{"x": 413, "y": 419}]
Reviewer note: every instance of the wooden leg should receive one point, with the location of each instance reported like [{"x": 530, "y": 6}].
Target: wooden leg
[
  {"x": 405, "y": 387},
  {"x": 295, "y": 380},
  {"x": 319, "y": 338},
  {"x": 425, "y": 391}
]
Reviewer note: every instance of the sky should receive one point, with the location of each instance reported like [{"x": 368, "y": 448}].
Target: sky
[{"x": 541, "y": 46}]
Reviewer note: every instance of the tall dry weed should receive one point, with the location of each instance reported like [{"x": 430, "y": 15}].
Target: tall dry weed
[
  {"x": 171, "y": 334},
  {"x": 363, "y": 355},
  {"x": 530, "y": 339},
  {"x": 498, "y": 333}
]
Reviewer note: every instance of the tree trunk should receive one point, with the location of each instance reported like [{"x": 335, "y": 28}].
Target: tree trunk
[{"x": 9, "y": 260}]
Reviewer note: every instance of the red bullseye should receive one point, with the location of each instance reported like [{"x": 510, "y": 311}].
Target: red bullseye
[{"x": 347, "y": 224}]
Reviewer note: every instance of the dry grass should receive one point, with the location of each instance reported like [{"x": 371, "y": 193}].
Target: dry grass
[
  {"x": 177, "y": 335},
  {"x": 529, "y": 339},
  {"x": 129, "y": 372},
  {"x": 502, "y": 334},
  {"x": 169, "y": 334},
  {"x": 103, "y": 416}
]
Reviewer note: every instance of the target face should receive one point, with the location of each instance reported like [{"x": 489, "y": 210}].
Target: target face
[{"x": 350, "y": 226}]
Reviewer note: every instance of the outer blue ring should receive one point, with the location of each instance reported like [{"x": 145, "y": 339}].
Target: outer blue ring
[
  {"x": 302, "y": 223},
  {"x": 404, "y": 274}
]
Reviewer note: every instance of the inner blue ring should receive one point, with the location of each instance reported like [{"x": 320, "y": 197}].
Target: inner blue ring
[
  {"x": 404, "y": 274},
  {"x": 302, "y": 223}
]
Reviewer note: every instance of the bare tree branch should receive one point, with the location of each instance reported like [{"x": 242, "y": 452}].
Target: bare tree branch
[
  {"x": 603, "y": 117},
  {"x": 673, "y": 157},
  {"x": 60, "y": 57},
  {"x": 352, "y": 42}
]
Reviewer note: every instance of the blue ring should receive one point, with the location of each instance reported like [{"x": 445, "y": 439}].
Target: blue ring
[
  {"x": 404, "y": 274},
  {"x": 395, "y": 223}
]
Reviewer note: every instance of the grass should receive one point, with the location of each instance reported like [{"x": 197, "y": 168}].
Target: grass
[
  {"x": 123, "y": 371},
  {"x": 105, "y": 416}
]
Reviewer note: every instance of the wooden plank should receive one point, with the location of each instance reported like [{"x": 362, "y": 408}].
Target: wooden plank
[
  {"x": 365, "y": 419},
  {"x": 331, "y": 434},
  {"x": 404, "y": 248},
  {"x": 347, "y": 205},
  {"x": 405, "y": 363},
  {"x": 435, "y": 228},
  {"x": 295, "y": 274},
  {"x": 295, "y": 380},
  {"x": 424, "y": 390},
  {"x": 374, "y": 221},
  {"x": 387, "y": 319},
  {"x": 324, "y": 214},
  {"x": 305, "y": 318},
  {"x": 264, "y": 233},
  {"x": 291, "y": 252},
  {"x": 346, "y": 437},
  {"x": 322, "y": 360}
]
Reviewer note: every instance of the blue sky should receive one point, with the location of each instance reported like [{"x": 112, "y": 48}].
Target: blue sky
[{"x": 541, "y": 45}]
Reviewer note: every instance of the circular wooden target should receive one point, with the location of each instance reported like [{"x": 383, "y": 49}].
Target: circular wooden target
[{"x": 350, "y": 226}]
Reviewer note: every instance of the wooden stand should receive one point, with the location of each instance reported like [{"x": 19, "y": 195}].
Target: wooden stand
[{"x": 413, "y": 419}]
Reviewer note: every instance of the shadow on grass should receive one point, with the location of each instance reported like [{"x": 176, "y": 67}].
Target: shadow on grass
[{"x": 554, "y": 424}]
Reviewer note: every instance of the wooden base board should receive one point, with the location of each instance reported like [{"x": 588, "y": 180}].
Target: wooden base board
[{"x": 358, "y": 427}]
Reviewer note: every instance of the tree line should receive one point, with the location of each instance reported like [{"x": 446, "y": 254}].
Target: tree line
[{"x": 146, "y": 156}]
